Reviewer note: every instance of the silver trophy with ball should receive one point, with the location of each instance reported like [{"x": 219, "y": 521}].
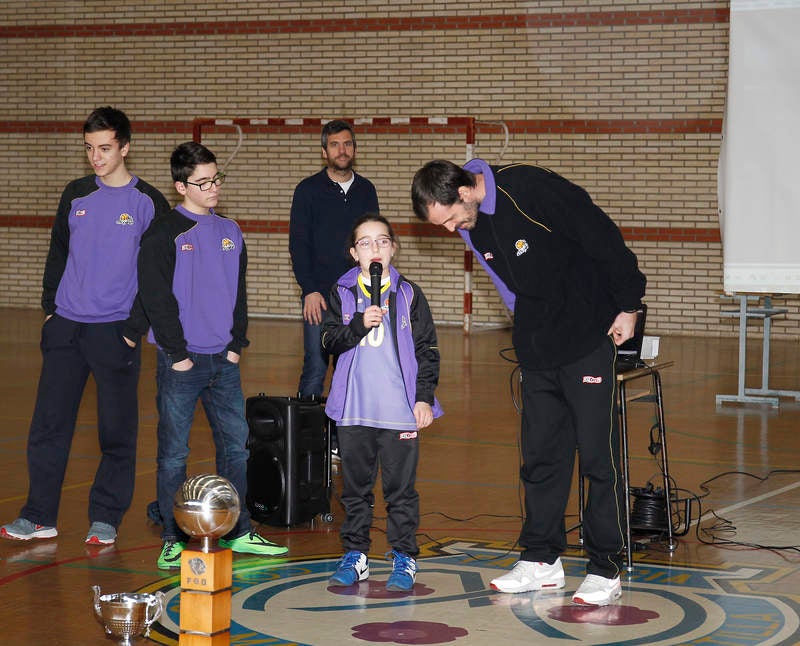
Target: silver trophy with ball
[{"x": 206, "y": 507}]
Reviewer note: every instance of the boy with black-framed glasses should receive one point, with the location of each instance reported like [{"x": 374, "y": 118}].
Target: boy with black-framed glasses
[{"x": 192, "y": 267}]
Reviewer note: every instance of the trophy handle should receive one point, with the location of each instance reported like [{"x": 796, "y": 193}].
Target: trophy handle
[
  {"x": 97, "y": 610},
  {"x": 98, "y": 613},
  {"x": 157, "y": 603}
]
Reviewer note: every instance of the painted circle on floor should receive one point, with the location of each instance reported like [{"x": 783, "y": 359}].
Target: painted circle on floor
[{"x": 290, "y": 602}]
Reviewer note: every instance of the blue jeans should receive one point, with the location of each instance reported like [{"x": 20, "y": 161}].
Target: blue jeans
[
  {"x": 216, "y": 382},
  {"x": 315, "y": 362}
]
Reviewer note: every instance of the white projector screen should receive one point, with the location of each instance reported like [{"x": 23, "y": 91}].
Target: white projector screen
[{"x": 759, "y": 166}]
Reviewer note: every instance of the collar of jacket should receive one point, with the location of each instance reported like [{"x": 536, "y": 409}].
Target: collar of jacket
[{"x": 350, "y": 277}]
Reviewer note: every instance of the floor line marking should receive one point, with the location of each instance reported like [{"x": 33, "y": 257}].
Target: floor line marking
[{"x": 745, "y": 503}]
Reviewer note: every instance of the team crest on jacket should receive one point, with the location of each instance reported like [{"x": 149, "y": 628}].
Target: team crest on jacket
[
  {"x": 228, "y": 244},
  {"x": 126, "y": 219},
  {"x": 521, "y": 246}
]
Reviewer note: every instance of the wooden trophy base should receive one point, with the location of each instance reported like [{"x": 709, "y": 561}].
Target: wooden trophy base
[
  {"x": 194, "y": 639},
  {"x": 205, "y": 609},
  {"x": 205, "y": 612}
]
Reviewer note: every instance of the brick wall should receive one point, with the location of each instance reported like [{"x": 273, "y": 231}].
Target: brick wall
[{"x": 623, "y": 97}]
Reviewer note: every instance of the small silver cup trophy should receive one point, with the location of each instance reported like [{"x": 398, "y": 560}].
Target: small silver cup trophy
[{"x": 127, "y": 615}]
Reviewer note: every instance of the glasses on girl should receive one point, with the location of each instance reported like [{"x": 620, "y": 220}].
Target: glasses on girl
[{"x": 365, "y": 243}]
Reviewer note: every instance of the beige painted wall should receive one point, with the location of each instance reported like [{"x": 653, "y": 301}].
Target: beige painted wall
[{"x": 622, "y": 97}]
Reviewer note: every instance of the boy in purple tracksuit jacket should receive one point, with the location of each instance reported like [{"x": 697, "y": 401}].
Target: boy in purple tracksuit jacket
[
  {"x": 93, "y": 323},
  {"x": 192, "y": 274},
  {"x": 381, "y": 395}
]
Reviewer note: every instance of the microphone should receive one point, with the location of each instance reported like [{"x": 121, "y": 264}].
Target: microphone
[{"x": 375, "y": 273}]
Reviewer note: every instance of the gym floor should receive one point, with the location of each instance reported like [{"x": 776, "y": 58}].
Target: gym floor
[{"x": 733, "y": 577}]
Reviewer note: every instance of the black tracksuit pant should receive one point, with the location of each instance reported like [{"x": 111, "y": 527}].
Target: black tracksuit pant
[
  {"x": 567, "y": 408},
  {"x": 70, "y": 352},
  {"x": 362, "y": 449}
]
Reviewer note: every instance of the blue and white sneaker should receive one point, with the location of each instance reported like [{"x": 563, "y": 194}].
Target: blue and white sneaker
[
  {"x": 404, "y": 572},
  {"x": 24, "y": 530},
  {"x": 101, "y": 533},
  {"x": 352, "y": 568}
]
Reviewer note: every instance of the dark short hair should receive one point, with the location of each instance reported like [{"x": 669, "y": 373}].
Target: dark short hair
[
  {"x": 186, "y": 157},
  {"x": 438, "y": 182},
  {"x": 335, "y": 127},
  {"x": 370, "y": 216},
  {"x": 109, "y": 118}
]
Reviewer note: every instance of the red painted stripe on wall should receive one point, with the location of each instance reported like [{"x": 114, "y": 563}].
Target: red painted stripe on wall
[
  {"x": 27, "y": 221},
  {"x": 610, "y": 126},
  {"x": 382, "y": 24},
  {"x": 417, "y": 229},
  {"x": 75, "y": 127},
  {"x": 671, "y": 234},
  {"x": 29, "y": 127},
  {"x": 516, "y": 126}
]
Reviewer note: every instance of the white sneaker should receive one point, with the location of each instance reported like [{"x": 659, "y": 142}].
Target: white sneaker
[
  {"x": 597, "y": 591},
  {"x": 530, "y": 575}
]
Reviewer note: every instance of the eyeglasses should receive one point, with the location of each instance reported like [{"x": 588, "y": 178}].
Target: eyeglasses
[
  {"x": 366, "y": 243},
  {"x": 219, "y": 180}
]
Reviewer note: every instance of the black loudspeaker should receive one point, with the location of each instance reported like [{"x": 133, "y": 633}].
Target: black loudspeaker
[{"x": 288, "y": 472}]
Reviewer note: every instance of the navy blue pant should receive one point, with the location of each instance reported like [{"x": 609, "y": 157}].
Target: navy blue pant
[
  {"x": 573, "y": 407},
  {"x": 315, "y": 362},
  {"x": 70, "y": 352},
  {"x": 362, "y": 450}
]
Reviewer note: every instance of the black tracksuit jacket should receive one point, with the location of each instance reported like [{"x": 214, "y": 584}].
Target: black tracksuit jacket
[{"x": 564, "y": 259}]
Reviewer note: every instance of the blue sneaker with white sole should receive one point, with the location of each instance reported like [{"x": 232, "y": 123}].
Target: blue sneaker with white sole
[
  {"x": 404, "y": 572},
  {"x": 351, "y": 568}
]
